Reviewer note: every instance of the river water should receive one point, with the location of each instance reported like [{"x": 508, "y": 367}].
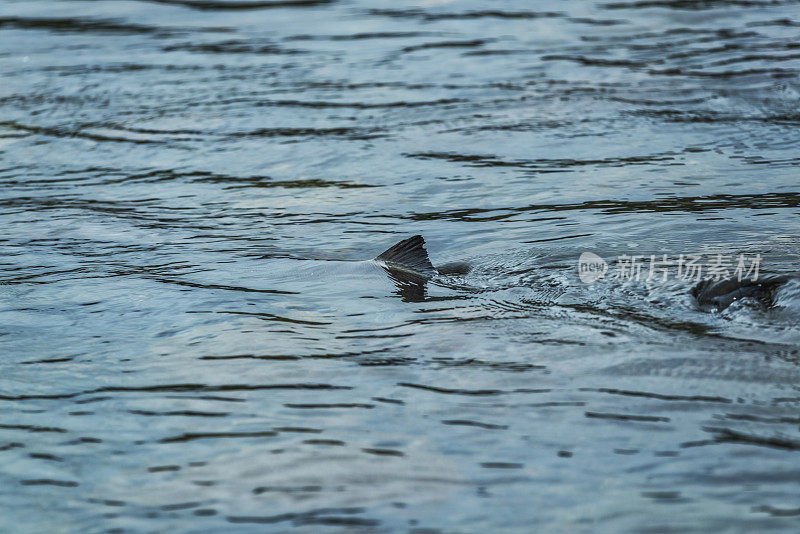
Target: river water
[{"x": 182, "y": 348}]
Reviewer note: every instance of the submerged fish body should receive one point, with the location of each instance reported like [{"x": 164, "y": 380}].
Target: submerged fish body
[{"x": 719, "y": 294}]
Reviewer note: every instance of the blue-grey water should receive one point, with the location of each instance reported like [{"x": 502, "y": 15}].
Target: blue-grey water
[{"x": 183, "y": 348}]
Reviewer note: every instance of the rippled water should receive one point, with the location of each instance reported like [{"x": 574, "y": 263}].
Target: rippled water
[{"x": 184, "y": 350}]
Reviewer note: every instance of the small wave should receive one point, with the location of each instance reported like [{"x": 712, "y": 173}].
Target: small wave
[
  {"x": 88, "y": 25},
  {"x": 479, "y": 14},
  {"x": 241, "y": 5},
  {"x": 233, "y": 47}
]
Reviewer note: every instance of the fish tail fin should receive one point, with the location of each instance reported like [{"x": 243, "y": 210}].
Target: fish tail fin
[{"x": 410, "y": 254}]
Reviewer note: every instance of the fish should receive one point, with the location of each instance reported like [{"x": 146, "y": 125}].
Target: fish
[
  {"x": 410, "y": 256},
  {"x": 719, "y": 294},
  {"x": 409, "y": 267}
]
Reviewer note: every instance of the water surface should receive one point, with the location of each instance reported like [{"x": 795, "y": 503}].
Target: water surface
[{"x": 181, "y": 350}]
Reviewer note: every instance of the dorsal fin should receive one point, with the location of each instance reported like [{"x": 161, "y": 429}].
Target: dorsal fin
[{"x": 410, "y": 254}]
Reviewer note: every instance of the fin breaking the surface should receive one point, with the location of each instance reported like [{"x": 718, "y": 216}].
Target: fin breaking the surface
[{"x": 409, "y": 254}]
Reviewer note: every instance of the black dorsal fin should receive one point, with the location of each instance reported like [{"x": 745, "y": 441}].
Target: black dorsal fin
[{"x": 410, "y": 254}]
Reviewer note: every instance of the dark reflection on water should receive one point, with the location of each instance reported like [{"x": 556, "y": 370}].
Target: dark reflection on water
[{"x": 190, "y": 341}]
